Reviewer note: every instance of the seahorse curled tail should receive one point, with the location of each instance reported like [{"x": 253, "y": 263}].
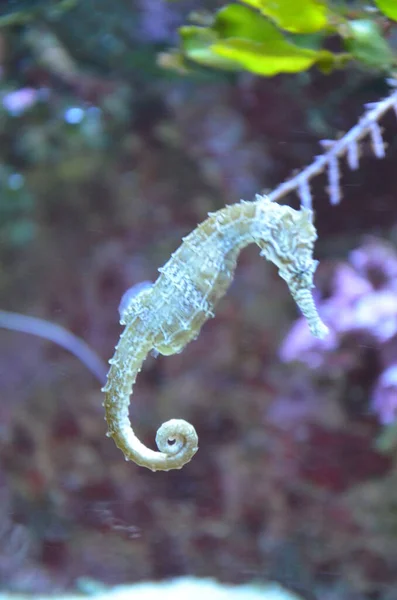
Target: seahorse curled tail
[{"x": 176, "y": 439}]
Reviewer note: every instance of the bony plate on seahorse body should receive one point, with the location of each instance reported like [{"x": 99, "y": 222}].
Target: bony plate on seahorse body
[{"x": 167, "y": 315}]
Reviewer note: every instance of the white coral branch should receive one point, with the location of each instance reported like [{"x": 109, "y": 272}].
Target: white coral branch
[{"x": 348, "y": 146}]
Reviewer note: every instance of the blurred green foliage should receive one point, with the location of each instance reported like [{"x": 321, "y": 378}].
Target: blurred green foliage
[
  {"x": 18, "y": 12},
  {"x": 17, "y": 225},
  {"x": 366, "y": 43},
  {"x": 388, "y": 7},
  {"x": 268, "y": 37},
  {"x": 241, "y": 38},
  {"x": 297, "y": 16}
]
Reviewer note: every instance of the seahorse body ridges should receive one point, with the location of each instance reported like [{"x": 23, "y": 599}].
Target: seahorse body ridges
[{"x": 170, "y": 313}]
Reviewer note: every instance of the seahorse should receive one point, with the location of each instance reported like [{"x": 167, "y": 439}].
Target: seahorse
[{"x": 168, "y": 314}]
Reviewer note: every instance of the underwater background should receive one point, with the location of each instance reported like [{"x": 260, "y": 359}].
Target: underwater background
[{"x": 107, "y": 159}]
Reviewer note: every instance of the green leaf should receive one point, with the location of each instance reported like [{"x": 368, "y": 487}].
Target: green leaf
[
  {"x": 269, "y": 58},
  {"x": 296, "y": 16},
  {"x": 243, "y": 39},
  {"x": 238, "y": 21},
  {"x": 197, "y": 45},
  {"x": 367, "y": 44},
  {"x": 388, "y": 7},
  {"x": 249, "y": 39}
]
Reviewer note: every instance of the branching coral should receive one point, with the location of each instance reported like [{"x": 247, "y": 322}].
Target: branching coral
[
  {"x": 361, "y": 310},
  {"x": 348, "y": 146}
]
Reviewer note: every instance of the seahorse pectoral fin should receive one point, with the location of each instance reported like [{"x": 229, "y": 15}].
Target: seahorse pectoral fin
[{"x": 129, "y": 299}]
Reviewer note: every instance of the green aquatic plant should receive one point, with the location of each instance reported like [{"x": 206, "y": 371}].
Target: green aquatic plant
[{"x": 267, "y": 37}]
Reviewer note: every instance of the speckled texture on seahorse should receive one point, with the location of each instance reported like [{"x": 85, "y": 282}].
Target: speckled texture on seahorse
[{"x": 168, "y": 315}]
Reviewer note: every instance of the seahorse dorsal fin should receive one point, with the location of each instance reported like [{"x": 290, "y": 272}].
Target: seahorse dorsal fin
[{"x": 130, "y": 295}]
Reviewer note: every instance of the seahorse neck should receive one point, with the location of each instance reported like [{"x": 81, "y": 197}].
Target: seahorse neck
[{"x": 244, "y": 223}]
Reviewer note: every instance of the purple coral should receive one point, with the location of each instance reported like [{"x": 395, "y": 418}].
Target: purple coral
[
  {"x": 19, "y": 101},
  {"x": 384, "y": 399},
  {"x": 361, "y": 304}
]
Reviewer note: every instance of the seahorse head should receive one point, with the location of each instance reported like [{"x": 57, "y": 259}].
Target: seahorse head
[
  {"x": 288, "y": 241},
  {"x": 293, "y": 248},
  {"x": 286, "y": 236}
]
